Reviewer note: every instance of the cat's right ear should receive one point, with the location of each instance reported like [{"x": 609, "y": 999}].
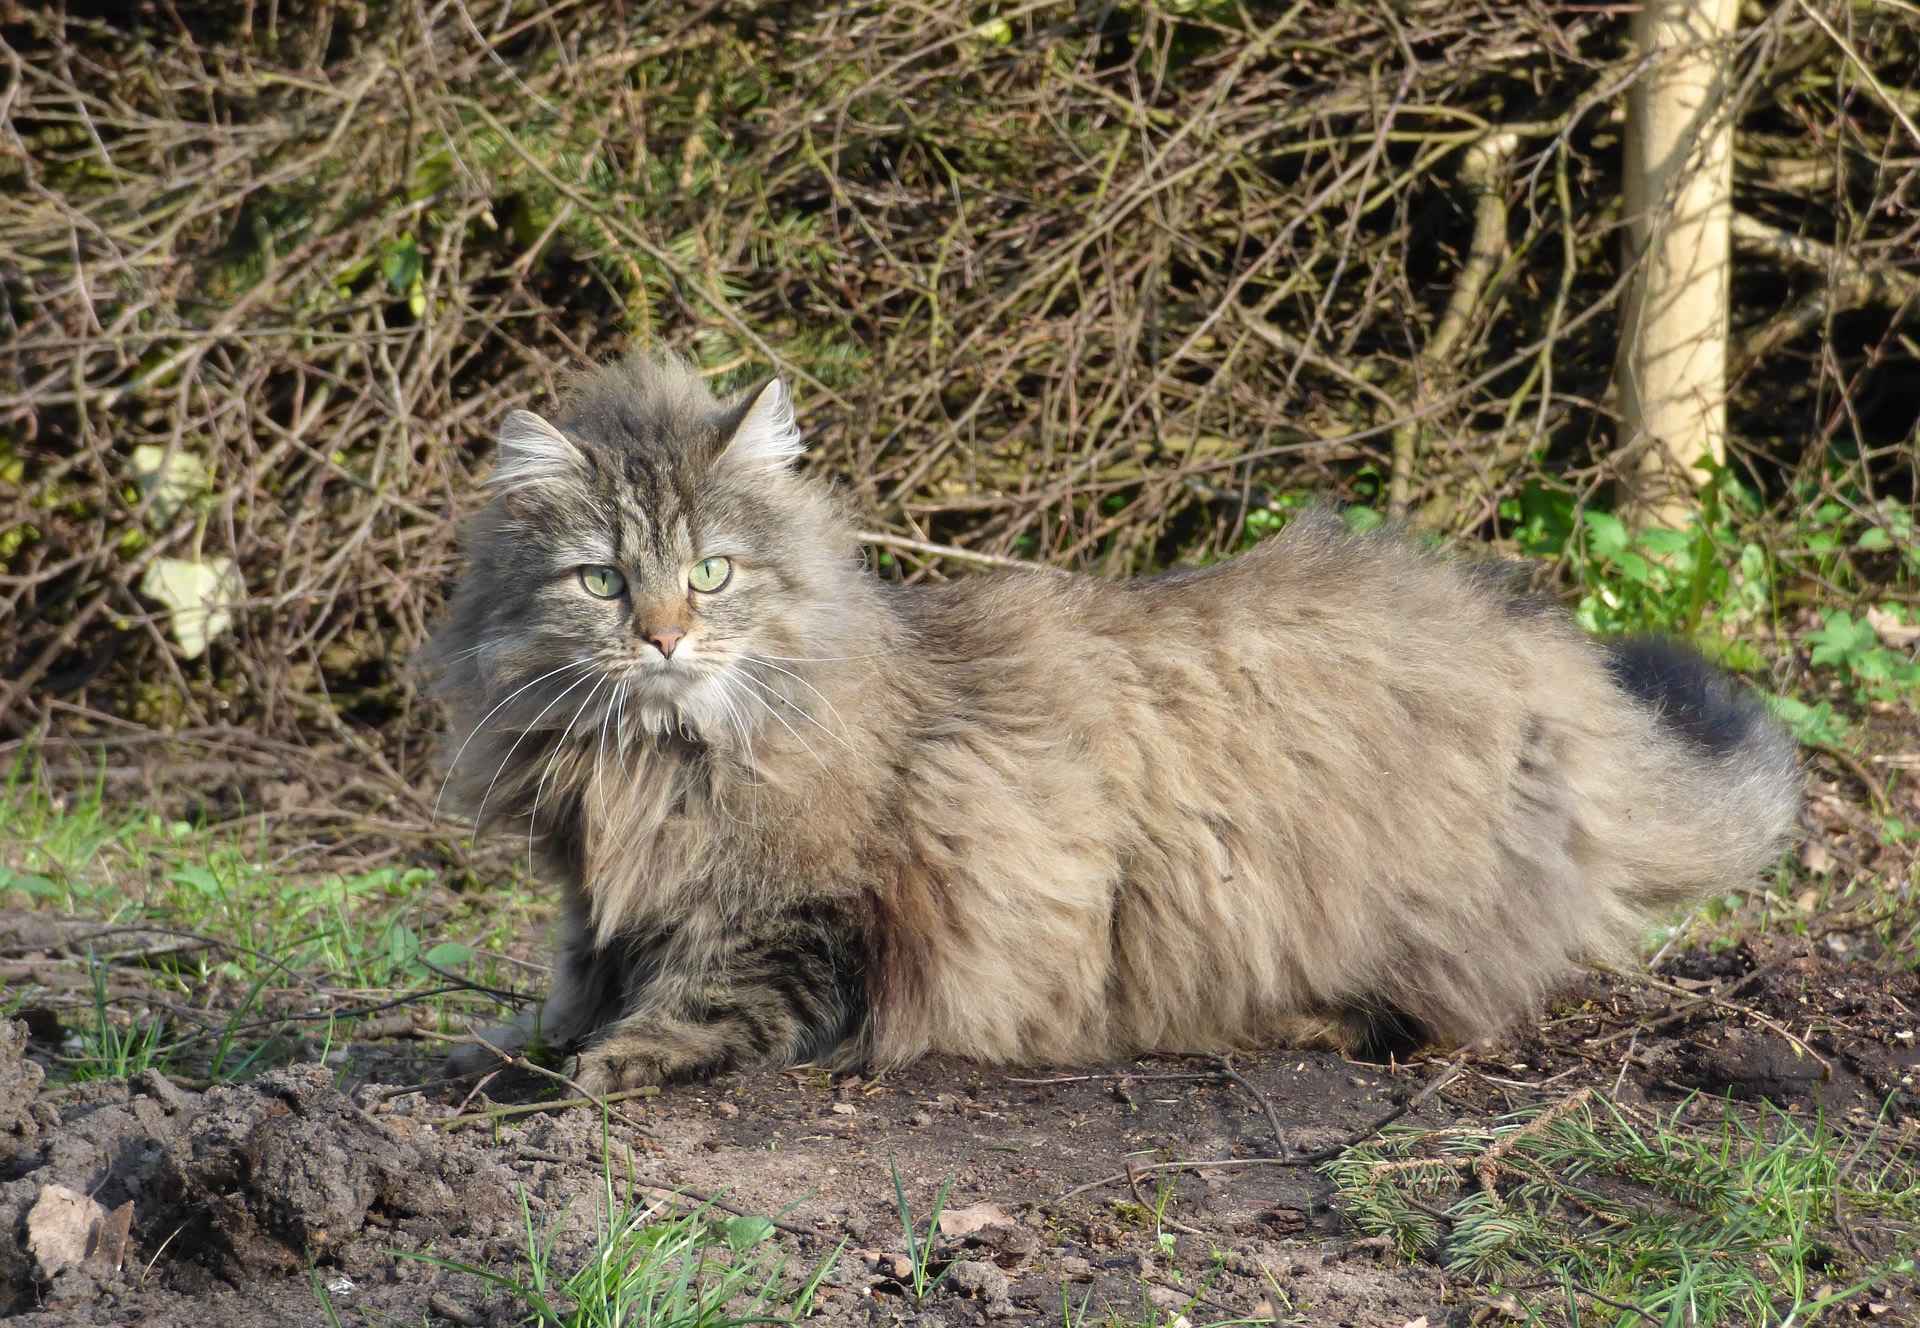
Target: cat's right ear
[{"x": 533, "y": 451}]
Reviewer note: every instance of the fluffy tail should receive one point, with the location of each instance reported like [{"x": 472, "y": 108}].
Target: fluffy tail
[{"x": 1727, "y": 786}]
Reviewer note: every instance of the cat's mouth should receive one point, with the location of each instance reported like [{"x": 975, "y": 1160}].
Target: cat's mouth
[{"x": 670, "y": 695}]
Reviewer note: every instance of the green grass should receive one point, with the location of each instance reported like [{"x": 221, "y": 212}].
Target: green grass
[
  {"x": 245, "y": 936},
  {"x": 654, "y": 1267},
  {"x": 1744, "y": 1221},
  {"x": 922, "y": 1280}
]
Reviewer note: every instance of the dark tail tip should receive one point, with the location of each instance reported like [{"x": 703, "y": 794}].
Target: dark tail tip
[{"x": 1692, "y": 697}]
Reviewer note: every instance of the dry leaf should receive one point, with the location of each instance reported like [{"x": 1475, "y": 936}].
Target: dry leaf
[
  {"x": 61, "y": 1228},
  {"x": 1506, "y": 1307},
  {"x": 110, "y": 1250},
  {"x": 959, "y": 1223},
  {"x": 1892, "y": 631},
  {"x": 172, "y": 482},
  {"x": 199, "y": 595}
]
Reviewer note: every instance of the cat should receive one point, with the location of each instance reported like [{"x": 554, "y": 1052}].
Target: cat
[{"x": 1337, "y": 790}]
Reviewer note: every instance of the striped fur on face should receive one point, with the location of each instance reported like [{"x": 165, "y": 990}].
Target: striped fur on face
[
  {"x": 596, "y": 559},
  {"x": 1334, "y": 790}
]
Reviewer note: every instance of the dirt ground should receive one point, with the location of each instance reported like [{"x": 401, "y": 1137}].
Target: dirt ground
[{"x": 232, "y": 1188}]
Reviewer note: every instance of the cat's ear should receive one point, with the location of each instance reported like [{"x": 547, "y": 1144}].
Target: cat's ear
[
  {"x": 531, "y": 450},
  {"x": 767, "y": 439}
]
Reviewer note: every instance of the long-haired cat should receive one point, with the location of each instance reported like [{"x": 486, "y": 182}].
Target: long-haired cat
[{"x": 1330, "y": 788}]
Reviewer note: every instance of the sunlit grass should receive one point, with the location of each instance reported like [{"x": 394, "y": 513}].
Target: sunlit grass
[
  {"x": 655, "y": 1264},
  {"x": 252, "y": 935},
  {"x": 1742, "y": 1221}
]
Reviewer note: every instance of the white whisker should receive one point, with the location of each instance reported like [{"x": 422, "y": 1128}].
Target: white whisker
[
  {"x": 801, "y": 711},
  {"x": 753, "y": 695},
  {"x": 738, "y": 724},
  {"x": 480, "y": 816},
  {"x": 454, "y": 764},
  {"x": 606, "y": 721},
  {"x": 831, "y": 708},
  {"x": 559, "y": 746}
]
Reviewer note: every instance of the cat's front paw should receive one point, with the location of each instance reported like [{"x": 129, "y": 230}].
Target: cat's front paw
[{"x": 607, "y": 1070}]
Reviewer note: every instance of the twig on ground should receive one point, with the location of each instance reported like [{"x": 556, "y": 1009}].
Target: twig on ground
[
  {"x": 506, "y": 1059},
  {"x": 313, "y": 1016},
  {"x": 512, "y": 1110},
  {"x": 1407, "y": 1108},
  {"x": 1247, "y": 1086},
  {"x": 516, "y": 998},
  {"x": 1487, "y": 1167},
  {"x": 1298, "y": 1159},
  {"x": 1711, "y": 998},
  {"x": 1160, "y": 1215}
]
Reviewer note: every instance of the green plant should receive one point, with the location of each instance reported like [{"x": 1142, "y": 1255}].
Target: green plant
[
  {"x": 109, "y": 1051},
  {"x": 1853, "y": 648},
  {"x": 920, "y": 1246},
  {"x": 246, "y": 918},
  {"x": 1734, "y": 1222},
  {"x": 653, "y": 1268},
  {"x": 320, "y": 1294},
  {"x": 1815, "y": 724}
]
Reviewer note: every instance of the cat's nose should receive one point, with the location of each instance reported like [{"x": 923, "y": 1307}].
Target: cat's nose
[{"x": 665, "y": 639}]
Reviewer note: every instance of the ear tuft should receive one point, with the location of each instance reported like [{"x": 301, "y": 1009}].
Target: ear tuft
[
  {"x": 768, "y": 438},
  {"x": 531, "y": 450}
]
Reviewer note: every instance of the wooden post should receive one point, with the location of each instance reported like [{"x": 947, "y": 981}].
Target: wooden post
[{"x": 1672, "y": 366}]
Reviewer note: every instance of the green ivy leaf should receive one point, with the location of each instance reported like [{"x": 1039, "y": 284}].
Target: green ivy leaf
[
  {"x": 30, "y": 883},
  {"x": 199, "y": 878},
  {"x": 403, "y": 263},
  {"x": 745, "y": 1232}
]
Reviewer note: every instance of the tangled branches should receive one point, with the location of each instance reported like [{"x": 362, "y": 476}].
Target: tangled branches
[{"x": 1088, "y": 285}]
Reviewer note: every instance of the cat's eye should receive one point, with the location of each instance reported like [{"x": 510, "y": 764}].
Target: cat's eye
[
  {"x": 602, "y": 582},
  {"x": 709, "y": 574}
]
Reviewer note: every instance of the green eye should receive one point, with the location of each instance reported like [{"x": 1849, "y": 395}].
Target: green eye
[
  {"x": 602, "y": 582},
  {"x": 709, "y": 574}
]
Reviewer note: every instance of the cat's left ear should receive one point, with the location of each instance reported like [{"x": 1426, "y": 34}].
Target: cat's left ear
[
  {"x": 767, "y": 439},
  {"x": 532, "y": 451}
]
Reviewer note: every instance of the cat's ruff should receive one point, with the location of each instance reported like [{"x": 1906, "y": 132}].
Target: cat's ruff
[{"x": 1332, "y": 787}]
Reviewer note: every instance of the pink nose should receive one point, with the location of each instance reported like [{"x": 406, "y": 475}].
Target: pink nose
[{"x": 665, "y": 639}]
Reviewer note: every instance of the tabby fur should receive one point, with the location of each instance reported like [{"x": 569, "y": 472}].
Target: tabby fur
[{"x": 1334, "y": 789}]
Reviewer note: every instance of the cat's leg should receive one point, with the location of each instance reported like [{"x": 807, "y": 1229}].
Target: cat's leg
[
  {"x": 585, "y": 986},
  {"x": 791, "y": 990}
]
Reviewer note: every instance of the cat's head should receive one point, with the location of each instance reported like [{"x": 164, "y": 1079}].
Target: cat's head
[{"x": 650, "y": 561}]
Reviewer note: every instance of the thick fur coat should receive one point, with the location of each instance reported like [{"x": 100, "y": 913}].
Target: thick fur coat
[{"x": 1333, "y": 790}]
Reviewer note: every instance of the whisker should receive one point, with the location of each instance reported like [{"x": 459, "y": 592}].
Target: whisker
[
  {"x": 479, "y": 818},
  {"x": 755, "y": 696},
  {"x": 801, "y": 711},
  {"x": 831, "y": 708},
  {"x": 739, "y": 724},
  {"x": 560, "y": 744},
  {"x": 606, "y": 720},
  {"x": 454, "y": 764}
]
